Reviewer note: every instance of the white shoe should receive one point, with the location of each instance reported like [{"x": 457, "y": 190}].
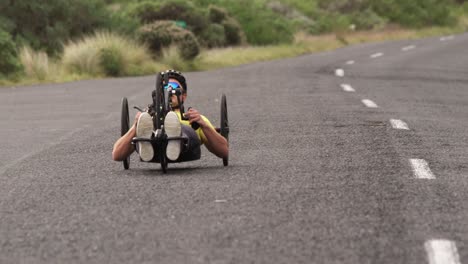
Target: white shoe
[
  {"x": 144, "y": 129},
  {"x": 173, "y": 129}
]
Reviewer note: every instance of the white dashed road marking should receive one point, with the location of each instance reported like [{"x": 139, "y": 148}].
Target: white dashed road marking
[
  {"x": 442, "y": 251},
  {"x": 446, "y": 38},
  {"x": 421, "y": 169},
  {"x": 376, "y": 55},
  {"x": 398, "y": 124},
  {"x": 408, "y": 48},
  {"x": 369, "y": 103},
  {"x": 350, "y": 62},
  {"x": 339, "y": 72},
  {"x": 347, "y": 88}
]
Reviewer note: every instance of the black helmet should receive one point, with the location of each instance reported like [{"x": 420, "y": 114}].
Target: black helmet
[{"x": 175, "y": 75}]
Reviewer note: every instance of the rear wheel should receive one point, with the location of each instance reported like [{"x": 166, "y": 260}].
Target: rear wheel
[
  {"x": 224, "y": 128},
  {"x": 124, "y": 127}
]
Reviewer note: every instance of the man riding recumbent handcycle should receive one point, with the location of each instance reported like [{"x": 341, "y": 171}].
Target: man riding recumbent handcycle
[{"x": 165, "y": 133}]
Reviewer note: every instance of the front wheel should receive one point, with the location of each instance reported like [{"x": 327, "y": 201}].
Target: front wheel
[
  {"x": 160, "y": 102},
  {"x": 163, "y": 163}
]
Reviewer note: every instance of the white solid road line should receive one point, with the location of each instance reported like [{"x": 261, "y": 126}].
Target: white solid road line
[
  {"x": 369, "y": 103},
  {"x": 376, "y": 55},
  {"x": 347, "y": 88},
  {"x": 399, "y": 124},
  {"x": 408, "y": 48},
  {"x": 350, "y": 62},
  {"x": 442, "y": 251},
  {"x": 421, "y": 169},
  {"x": 339, "y": 72}
]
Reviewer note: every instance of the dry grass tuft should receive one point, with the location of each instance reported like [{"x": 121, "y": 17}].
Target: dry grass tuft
[
  {"x": 84, "y": 56},
  {"x": 35, "y": 63}
]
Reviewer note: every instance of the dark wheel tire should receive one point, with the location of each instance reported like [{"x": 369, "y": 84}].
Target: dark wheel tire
[
  {"x": 159, "y": 102},
  {"x": 124, "y": 127},
  {"x": 224, "y": 127},
  {"x": 163, "y": 160}
]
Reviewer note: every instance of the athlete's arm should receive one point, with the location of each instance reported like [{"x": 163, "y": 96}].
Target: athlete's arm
[
  {"x": 123, "y": 146},
  {"x": 215, "y": 143}
]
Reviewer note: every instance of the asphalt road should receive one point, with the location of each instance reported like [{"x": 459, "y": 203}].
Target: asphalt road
[{"x": 315, "y": 175}]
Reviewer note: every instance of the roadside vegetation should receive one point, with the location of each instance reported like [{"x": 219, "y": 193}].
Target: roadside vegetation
[{"x": 56, "y": 41}]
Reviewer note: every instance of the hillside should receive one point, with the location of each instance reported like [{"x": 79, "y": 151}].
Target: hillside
[{"x": 37, "y": 38}]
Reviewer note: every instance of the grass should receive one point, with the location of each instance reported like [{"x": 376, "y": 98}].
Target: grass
[
  {"x": 85, "y": 59},
  {"x": 40, "y": 68},
  {"x": 171, "y": 56},
  {"x": 85, "y": 56},
  {"x": 303, "y": 44},
  {"x": 224, "y": 57},
  {"x": 36, "y": 64}
]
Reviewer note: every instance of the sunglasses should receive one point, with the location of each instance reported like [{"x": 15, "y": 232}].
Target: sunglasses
[{"x": 173, "y": 85}]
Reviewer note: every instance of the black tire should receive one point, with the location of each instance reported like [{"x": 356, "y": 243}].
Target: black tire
[
  {"x": 224, "y": 127},
  {"x": 124, "y": 127},
  {"x": 163, "y": 160},
  {"x": 158, "y": 103},
  {"x": 160, "y": 110}
]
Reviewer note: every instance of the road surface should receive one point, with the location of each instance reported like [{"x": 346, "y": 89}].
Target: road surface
[{"x": 358, "y": 155}]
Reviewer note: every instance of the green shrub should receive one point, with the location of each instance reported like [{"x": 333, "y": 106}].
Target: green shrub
[
  {"x": 216, "y": 14},
  {"x": 6, "y": 24},
  {"x": 111, "y": 61},
  {"x": 233, "y": 32},
  {"x": 344, "y": 6},
  {"x": 261, "y": 25},
  {"x": 158, "y": 34},
  {"x": 309, "y": 8},
  {"x": 367, "y": 19},
  {"x": 188, "y": 45},
  {"x": 214, "y": 36},
  {"x": 46, "y": 24},
  {"x": 9, "y": 63},
  {"x": 122, "y": 22},
  {"x": 299, "y": 21},
  {"x": 162, "y": 34},
  {"x": 332, "y": 22},
  {"x": 464, "y": 8},
  {"x": 177, "y": 10},
  {"x": 416, "y": 13},
  {"x": 146, "y": 11}
]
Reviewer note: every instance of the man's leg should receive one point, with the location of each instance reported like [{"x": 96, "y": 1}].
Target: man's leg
[
  {"x": 174, "y": 150},
  {"x": 192, "y": 150},
  {"x": 173, "y": 128}
]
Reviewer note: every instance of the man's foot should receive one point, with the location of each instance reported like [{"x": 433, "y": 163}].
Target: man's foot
[
  {"x": 173, "y": 129},
  {"x": 144, "y": 129}
]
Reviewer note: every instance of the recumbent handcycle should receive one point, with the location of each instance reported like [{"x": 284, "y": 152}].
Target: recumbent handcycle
[{"x": 161, "y": 105}]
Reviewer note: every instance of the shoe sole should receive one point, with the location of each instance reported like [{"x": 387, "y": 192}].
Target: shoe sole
[
  {"x": 144, "y": 130},
  {"x": 173, "y": 128}
]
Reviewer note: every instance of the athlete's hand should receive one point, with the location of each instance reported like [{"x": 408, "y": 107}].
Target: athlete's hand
[{"x": 195, "y": 117}]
